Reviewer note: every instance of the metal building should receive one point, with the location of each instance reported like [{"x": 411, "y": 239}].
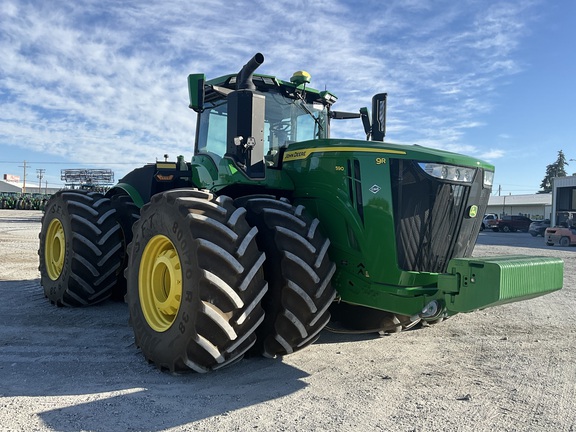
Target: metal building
[
  {"x": 563, "y": 199},
  {"x": 534, "y": 206}
]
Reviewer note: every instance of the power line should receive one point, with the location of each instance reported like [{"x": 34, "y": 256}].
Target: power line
[{"x": 76, "y": 163}]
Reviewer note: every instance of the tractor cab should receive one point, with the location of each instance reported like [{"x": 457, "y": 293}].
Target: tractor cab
[
  {"x": 252, "y": 119},
  {"x": 263, "y": 122}
]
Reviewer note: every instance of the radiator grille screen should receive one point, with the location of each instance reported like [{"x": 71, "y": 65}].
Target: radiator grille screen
[{"x": 431, "y": 217}]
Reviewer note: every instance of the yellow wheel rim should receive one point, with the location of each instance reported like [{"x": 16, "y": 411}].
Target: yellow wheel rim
[
  {"x": 160, "y": 283},
  {"x": 55, "y": 249}
]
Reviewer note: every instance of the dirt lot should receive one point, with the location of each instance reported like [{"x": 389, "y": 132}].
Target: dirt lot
[{"x": 510, "y": 368}]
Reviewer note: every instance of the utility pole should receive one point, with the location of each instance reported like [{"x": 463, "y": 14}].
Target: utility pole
[
  {"x": 40, "y": 174},
  {"x": 24, "y": 179}
]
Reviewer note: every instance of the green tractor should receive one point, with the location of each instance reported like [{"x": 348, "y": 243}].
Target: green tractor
[
  {"x": 9, "y": 200},
  {"x": 274, "y": 227}
]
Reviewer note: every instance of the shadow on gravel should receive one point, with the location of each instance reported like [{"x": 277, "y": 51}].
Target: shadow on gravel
[
  {"x": 20, "y": 220},
  {"x": 170, "y": 401},
  {"x": 340, "y": 336},
  {"x": 86, "y": 358}
]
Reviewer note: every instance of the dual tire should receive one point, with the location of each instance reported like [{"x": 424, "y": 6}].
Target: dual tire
[
  {"x": 298, "y": 270},
  {"x": 211, "y": 279},
  {"x": 195, "y": 281},
  {"x": 208, "y": 279},
  {"x": 80, "y": 249}
]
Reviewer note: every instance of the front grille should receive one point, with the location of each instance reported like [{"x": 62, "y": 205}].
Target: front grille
[{"x": 431, "y": 217}]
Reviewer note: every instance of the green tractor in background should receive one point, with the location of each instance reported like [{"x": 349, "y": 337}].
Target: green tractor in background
[
  {"x": 8, "y": 200},
  {"x": 274, "y": 226}
]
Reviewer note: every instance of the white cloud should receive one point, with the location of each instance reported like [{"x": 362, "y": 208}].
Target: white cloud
[
  {"x": 106, "y": 80},
  {"x": 492, "y": 154}
]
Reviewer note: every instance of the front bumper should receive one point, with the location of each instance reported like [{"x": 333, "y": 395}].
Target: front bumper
[{"x": 473, "y": 283}]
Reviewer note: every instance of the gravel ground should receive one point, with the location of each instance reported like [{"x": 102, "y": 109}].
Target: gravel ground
[{"x": 510, "y": 368}]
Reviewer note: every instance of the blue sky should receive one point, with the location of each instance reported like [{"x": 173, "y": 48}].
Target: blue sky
[{"x": 102, "y": 83}]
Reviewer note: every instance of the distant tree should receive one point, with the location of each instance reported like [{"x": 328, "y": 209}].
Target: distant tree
[{"x": 553, "y": 170}]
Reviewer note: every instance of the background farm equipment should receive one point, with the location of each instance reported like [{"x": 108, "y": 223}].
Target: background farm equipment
[
  {"x": 23, "y": 201},
  {"x": 8, "y": 200}
]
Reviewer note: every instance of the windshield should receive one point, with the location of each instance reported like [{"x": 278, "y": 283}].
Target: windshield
[{"x": 286, "y": 121}]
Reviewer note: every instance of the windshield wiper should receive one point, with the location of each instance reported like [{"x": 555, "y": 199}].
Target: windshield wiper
[{"x": 305, "y": 108}]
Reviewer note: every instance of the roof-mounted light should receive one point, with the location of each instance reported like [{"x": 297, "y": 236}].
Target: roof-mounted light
[{"x": 328, "y": 97}]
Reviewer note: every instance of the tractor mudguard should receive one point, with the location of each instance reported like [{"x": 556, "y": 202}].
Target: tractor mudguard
[
  {"x": 144, "y": 182},
  {"x": 130, "y": 190}
]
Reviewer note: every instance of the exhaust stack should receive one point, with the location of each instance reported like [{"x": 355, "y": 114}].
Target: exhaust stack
[{"x": 244, "y": 77}]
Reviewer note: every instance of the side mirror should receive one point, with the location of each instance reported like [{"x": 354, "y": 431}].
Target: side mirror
[
  {"x": 379, "y": 116},
  {"x": 366, "y": 122},
  {"x": 196, "y": 91}
]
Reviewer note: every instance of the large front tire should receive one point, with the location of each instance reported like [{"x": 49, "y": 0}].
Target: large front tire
[
  {"x": 80, "y": 248},
  {"x": 195, "y": 281},
  {"x": 298, "y": 271}
]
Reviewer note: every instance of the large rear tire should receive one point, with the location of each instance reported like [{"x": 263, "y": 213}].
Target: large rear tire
[
  {"x": 80, "y": 248},
  {"x": 298, "y": 271},
  {"x": 195, "y": 281}
]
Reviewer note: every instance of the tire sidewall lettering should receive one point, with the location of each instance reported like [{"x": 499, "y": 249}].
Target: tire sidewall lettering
[
  {"x": 147, "y": 225},
  {"x": 163, "y": 222},
  {"x": 181, "y": 244},
  {"x": 188, "y": 274},
  {"x": 179, "y": 240}
]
